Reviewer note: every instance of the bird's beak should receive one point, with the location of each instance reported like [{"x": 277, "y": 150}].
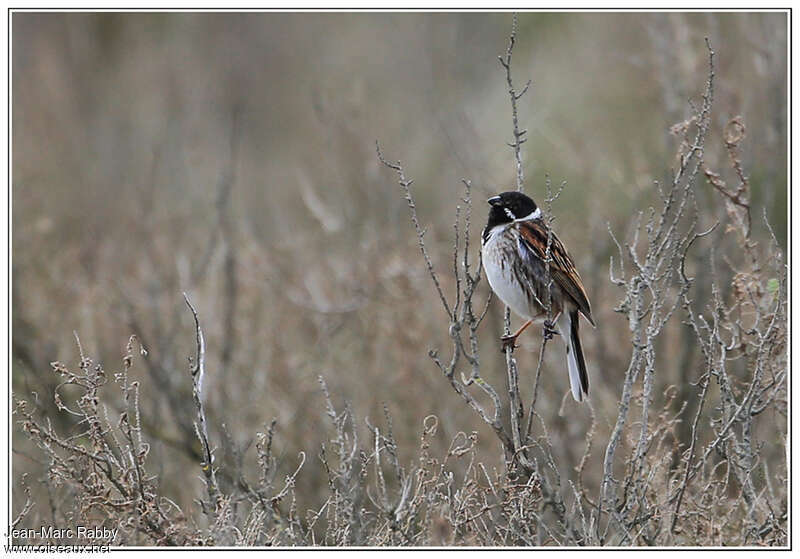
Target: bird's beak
[{"x": 494, "y": 201}]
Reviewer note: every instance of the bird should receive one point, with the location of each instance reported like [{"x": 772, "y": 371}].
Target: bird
[{"x": 513, "y": 250}]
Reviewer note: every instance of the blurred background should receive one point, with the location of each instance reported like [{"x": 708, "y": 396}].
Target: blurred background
[{"x": 232, "y": 156}]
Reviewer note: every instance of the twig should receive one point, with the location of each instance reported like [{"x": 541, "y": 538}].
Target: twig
[
  {"x": 519, "y": 135},
  {"x": 198, "y": 372},
  {"x": 406, "y": 184}
]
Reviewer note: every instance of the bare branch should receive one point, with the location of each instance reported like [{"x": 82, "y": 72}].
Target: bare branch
[
  {"x": 505, "y": 62},
  {"x": 201, "y": 425},
  {"x": 406, "y": 184}
]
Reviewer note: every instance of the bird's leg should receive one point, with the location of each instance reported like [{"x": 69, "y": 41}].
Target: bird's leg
[
  {"x": 512, "y": 339},
  {"x": 550, "y": 330}
]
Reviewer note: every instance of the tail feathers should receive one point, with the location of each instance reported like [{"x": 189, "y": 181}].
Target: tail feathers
[{"x": 578, "y": 378}]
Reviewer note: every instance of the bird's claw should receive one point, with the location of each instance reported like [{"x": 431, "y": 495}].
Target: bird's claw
[
  {"x": 549, "y": 330},
  {"x": 508, "y": 342}
]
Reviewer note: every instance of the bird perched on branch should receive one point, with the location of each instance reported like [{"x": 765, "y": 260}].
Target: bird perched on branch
[{"x": 514, "y": 251}]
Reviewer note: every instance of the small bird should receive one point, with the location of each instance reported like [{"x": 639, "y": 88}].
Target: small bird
[{"x": 514, "y": 249}]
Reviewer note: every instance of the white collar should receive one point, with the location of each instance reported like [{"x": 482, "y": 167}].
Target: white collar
[{"x": 535, "y": 214}]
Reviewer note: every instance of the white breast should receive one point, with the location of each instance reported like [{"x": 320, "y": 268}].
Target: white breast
[{"x": 501, "y": 278}]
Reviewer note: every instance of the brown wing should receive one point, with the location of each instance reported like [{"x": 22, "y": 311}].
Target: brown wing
[{"x": 562, "y": 268}]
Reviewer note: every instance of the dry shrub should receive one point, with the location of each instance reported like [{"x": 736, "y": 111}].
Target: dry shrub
[{"x": 686, "y": 444}]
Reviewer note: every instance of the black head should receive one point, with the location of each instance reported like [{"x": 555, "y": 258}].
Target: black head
[{"x": 510, "y": 206}]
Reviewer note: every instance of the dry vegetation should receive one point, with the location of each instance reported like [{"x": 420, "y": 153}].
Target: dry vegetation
[{"x": 222, "y": 200}]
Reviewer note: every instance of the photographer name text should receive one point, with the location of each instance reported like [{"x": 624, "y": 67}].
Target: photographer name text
[{"x": 53, "y": 533}]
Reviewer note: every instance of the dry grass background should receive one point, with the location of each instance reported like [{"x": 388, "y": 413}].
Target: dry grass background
[{"x": 232, "y": 157}]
